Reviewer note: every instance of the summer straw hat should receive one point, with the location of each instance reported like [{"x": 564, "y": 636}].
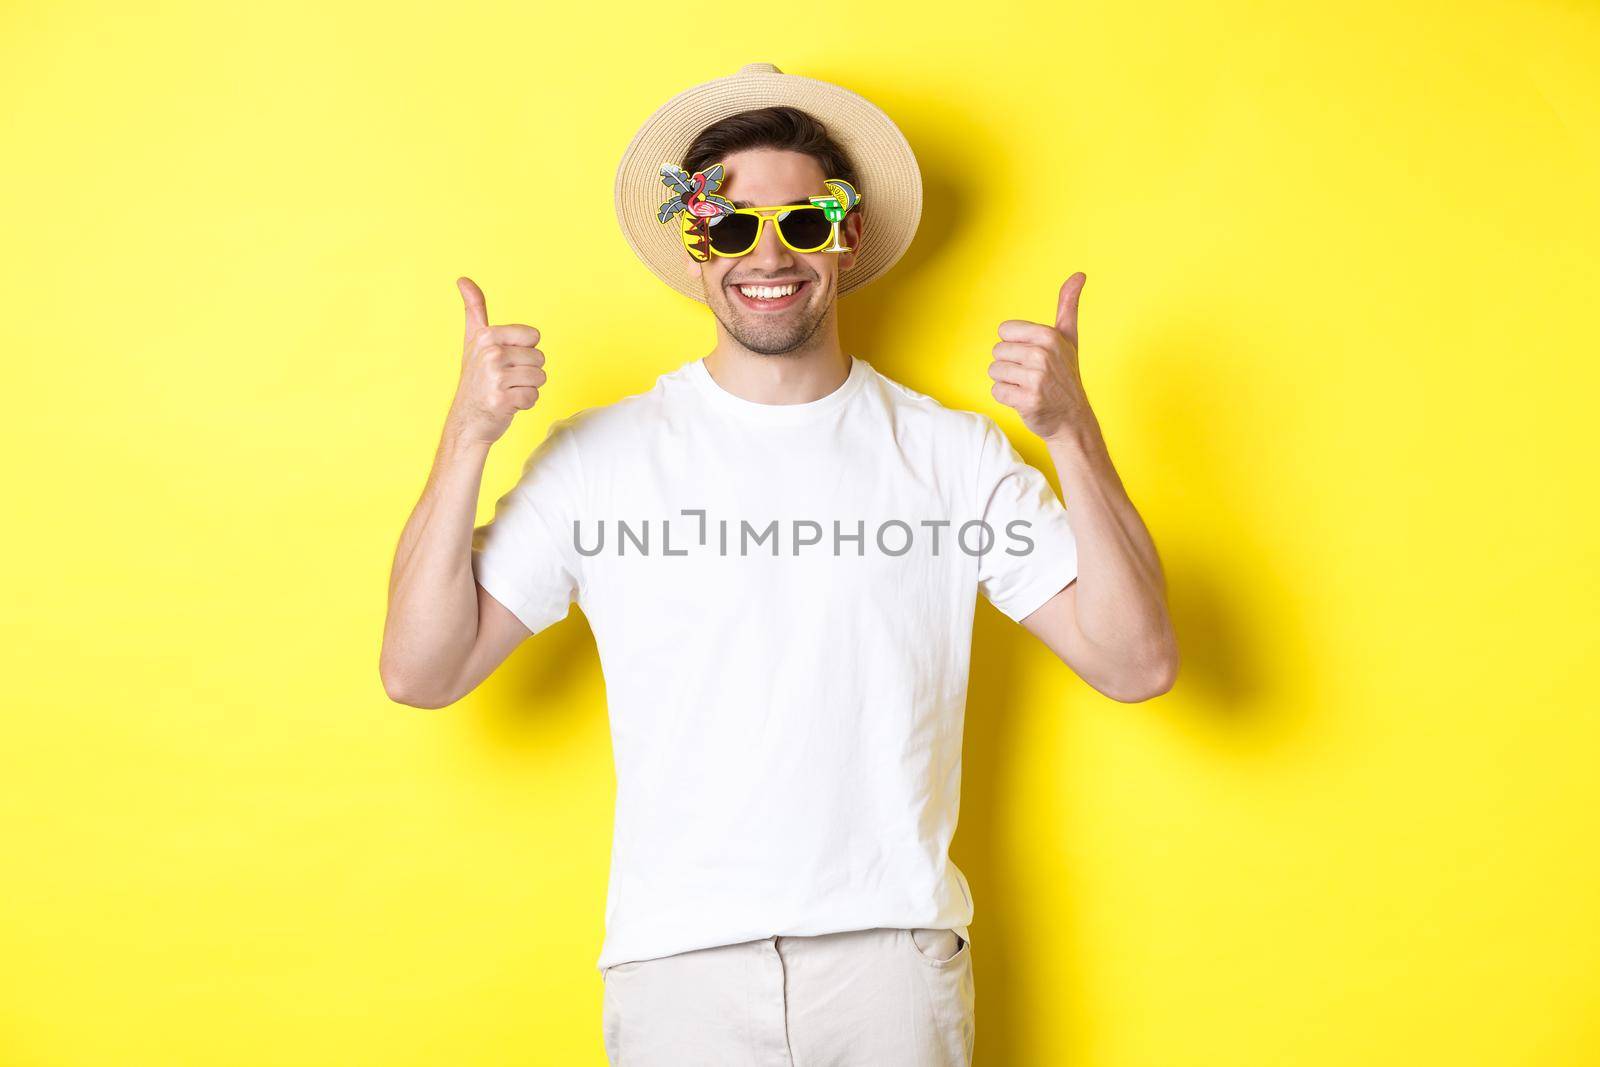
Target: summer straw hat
[{"x": 889, "y": 180}]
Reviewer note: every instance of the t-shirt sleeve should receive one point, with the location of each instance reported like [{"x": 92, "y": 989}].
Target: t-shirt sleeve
[
  {"x": 524, "y": 556},
  {"x": 1033, "y": 554}
]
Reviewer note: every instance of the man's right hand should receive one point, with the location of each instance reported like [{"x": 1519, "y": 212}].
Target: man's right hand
[{"x": 501, "y": 372}]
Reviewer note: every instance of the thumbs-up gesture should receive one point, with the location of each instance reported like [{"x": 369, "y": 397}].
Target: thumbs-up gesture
[
  {"x": 501, "y": 372},
  {"x": 1035, "y": 368}
]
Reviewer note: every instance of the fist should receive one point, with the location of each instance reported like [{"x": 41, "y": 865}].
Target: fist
[
  {"x": 1035, "y": 368},
  {"x": 501, "y": 372}
]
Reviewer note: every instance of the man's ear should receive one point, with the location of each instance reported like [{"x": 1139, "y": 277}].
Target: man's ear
[{"x": 854, "y": 223}]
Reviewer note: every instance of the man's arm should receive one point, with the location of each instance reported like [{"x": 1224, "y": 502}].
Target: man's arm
[
  {"x": 1111, "y": 624},
  {"x": 443, "y": 634}
]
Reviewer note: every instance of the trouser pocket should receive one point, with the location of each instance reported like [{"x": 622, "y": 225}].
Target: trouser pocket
[{"x": 937, "y": 946}]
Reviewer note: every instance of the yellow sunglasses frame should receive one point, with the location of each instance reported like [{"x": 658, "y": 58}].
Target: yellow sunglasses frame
[{"x": 762, "y": 214}]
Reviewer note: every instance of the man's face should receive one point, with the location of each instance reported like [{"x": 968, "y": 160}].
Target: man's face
[{"x": 762, "y": 177}]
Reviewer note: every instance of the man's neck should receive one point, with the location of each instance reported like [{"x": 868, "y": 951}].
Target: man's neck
[{"x": 792, "y": 378}]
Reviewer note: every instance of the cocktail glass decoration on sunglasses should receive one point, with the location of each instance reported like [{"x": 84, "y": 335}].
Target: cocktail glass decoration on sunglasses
[
  {"x": 836, "y": 206},
  {"x": 712, "y": 225}
]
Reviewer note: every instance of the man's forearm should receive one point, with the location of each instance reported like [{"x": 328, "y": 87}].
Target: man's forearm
[
  {"x": 1121, "y": 599},
  {"x": 433, "y": 600}
]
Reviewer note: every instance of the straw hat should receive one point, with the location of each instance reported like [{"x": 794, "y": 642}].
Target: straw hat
[{"x": 889, "y": 179}]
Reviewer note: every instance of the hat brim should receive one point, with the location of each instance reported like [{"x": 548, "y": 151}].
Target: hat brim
[{"x": 889, "y": 179}]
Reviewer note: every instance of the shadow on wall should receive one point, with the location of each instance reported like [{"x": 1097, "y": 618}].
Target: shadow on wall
[
  {"x": 867, "y": 319},
  {"x": 541, "y": 685}
]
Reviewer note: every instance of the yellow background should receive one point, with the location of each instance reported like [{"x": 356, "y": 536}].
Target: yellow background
[{"x": 1339, "y": 328}]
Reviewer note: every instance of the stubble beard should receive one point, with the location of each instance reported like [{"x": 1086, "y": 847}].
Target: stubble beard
[{"x": 788, "y": 335}]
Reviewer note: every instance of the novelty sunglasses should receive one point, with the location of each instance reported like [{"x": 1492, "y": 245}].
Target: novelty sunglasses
[
  {"x": 803, "y": 228},
  {"x": 712, "y": 225}
]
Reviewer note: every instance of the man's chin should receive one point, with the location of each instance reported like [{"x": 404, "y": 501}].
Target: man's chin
[{"x": 769, "y": 346}]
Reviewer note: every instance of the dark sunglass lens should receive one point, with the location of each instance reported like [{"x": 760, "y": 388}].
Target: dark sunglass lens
[
  {"x": 732, "y": 233},
  {"x": 806, "y": 227}
]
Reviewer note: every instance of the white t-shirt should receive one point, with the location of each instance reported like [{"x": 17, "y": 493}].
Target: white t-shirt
[{"x": 782, "y": 596}]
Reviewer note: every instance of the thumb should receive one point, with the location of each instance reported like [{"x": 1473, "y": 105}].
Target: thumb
[
  {"x": 472, "y": 296},
  {"x": 1067, "y": 307}
]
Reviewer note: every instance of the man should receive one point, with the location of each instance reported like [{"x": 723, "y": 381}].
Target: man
[{"x": 779, "y": 551}]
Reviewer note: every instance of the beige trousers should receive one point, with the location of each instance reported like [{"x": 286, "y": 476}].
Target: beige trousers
[{"x": 885, "y": 997}]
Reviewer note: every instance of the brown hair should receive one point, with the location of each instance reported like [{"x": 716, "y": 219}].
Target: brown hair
[{"x": 781, "y": 127}]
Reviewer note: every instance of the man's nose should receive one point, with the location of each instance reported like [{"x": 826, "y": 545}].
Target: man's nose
[{"x": 770, "y": 251}]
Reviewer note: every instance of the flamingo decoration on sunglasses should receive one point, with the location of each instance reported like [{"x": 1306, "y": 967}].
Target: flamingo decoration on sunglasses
[{"x": 696, "y": 203}]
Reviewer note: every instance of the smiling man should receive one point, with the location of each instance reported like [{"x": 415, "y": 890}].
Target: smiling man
[{"x": 779, "y": 550}]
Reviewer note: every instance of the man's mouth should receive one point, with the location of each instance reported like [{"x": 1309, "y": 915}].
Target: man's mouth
[{"x": 770, "y": 296}]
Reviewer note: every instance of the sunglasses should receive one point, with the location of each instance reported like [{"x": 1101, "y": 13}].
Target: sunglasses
[
  {"x": 711, "y": 224},
  {"x": 801, "y": 227}
]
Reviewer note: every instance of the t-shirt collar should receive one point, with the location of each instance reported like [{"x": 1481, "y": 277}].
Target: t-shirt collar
[{"x": 777, "y": 413}]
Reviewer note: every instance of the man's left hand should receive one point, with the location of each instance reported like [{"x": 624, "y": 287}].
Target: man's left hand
[{"x": 1035, "y": 368}]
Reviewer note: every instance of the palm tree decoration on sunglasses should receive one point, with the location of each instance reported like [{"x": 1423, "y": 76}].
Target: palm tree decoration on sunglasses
[{"x": 696, "y": 203}]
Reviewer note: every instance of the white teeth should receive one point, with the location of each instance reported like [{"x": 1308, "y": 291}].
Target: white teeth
[{"x": 768, "y": 292}]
